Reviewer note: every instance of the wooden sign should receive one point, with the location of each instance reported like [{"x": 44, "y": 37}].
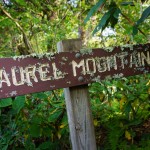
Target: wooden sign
[{"x": 29, "y": 74}]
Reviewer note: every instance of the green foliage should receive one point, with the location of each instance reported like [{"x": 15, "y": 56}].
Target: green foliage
[
  {"x": 36, "y": 121},
  {"x": 21, "y": 2},
  {"x": 18, "y": 103},
  {"x": 144, "y": 16},
  {"x": 5, "y": 102},
  {"x": 120, "y": 110},
  {"x": 94, "y": 9},
  {"x": 111, "y": 16},
  {"x": 120, "y": 107},
  {"x": 116, "y": 14},
  {"x": 127, "y": 3}
]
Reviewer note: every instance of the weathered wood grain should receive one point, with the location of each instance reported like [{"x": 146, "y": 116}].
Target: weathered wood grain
[{"x": 78, "y": 108}]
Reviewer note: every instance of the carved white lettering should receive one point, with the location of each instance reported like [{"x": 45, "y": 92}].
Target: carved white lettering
[
  {"x": 89, "y": 64},
  {"x": 111, "y": 62},
  {"x": 30, "y": 73},
  {"x": 146, "y": 58},
  {"x": 80, "y": 64},
  {"x": 5, "y": 80},
  {"x": 93, "y": 66},
  {"x": 139, "y": 59},
  {"x": 122, "y": 56},
  {"x": 21, "y": 72},
  {"x": 57, "y": 74},
  {"x": 102, "y": 66},
  {"x": 133, "y": 60},
  {"x": 43, "y": 73}
]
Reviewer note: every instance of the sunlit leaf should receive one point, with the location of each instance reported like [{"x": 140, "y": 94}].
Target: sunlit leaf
[
  {"x": 95, "y": 122},
  {"x": 122, "y": 102},
  {"x": 21, "y": 2},
  {"x": 127, "y": 135},
  {"x": 58, "y": 135}
]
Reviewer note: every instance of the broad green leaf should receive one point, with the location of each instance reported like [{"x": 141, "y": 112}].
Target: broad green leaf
[
  {"x": 57, "y": 104},
  {"x": 18, "y": 103},
  {"x": 47, "y": 131},
  {"x": 135, "y": 30},
  {"x": 113, "y": 21},
  {"x": 54, "y": 115},
  {"x": 48, "y": 145},
  {"x": 116, "y": 13},
  {"x": 35, "y": 130},
  {"x": 106, "y": 24},
  {"x": 5, "y": 147},
  {"x": 36, "y": 120},
  {"x": 144, "y": 16},
  {"x": 5, "y": 102},
  {"x": 102, "y": 22},
  {"x": 94, "y": 9},
  {"x": 45, "y": 145},
  {"x": 40, "y": 95}
]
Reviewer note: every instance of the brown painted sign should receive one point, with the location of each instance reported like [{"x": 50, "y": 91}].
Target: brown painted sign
[{"x": 29, "y": 74}]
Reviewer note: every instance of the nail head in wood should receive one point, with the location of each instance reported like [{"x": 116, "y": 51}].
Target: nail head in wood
[
  {"x": 78, "y": 55},
  {"x": 81, "y": 79}
]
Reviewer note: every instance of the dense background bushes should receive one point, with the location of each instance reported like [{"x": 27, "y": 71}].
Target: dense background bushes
[{"x": 120, "y": 107}]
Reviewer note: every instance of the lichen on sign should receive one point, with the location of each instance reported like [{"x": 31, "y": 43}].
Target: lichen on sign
[{"x": 37, "y": 73}]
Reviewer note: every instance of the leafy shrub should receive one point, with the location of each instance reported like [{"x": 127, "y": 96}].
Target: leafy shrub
[
  {"x": 119, "y": 107},
  {"x": 120, "y": 111}
]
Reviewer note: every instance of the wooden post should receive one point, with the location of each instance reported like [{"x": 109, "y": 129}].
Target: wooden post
[{"x": 78, "y": 107}]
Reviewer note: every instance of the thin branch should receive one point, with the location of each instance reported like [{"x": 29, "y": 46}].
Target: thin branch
[
  {"x": 25, "y": 38},
  {"x": 132, "y": 23}
]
